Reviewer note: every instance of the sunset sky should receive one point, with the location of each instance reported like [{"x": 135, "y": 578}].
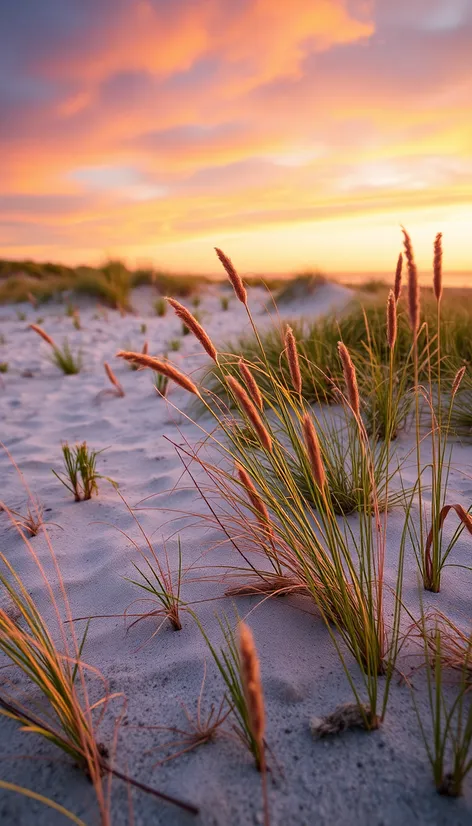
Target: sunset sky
[{"x": 291, "y": 134}]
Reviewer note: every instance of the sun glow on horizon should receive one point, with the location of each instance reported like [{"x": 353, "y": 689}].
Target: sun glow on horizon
[{"x": 157, "y": 131}]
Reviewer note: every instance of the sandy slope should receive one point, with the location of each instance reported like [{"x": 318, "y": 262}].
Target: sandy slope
[{"x": 377, "y": 779}]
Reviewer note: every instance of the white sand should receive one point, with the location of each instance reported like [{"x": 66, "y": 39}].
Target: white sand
[{"x": 377, "y": 779}]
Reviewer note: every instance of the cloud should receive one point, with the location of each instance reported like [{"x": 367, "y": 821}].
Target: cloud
[{"x": 150, "y": 119}]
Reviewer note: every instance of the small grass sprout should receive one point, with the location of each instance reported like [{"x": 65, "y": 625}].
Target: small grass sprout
[
  {"x": 62, "y": 357},
  {"x": 160, "y": 306},
  {"x": 80, "y": 476}
]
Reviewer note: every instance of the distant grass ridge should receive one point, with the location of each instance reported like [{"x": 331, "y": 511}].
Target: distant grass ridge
[{"x": 111, "y": 283}]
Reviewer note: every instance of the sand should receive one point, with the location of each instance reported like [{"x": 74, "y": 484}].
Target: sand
[{"x": 380, "y": 779}]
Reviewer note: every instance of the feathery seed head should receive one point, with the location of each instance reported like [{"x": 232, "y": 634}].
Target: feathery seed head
[
  {"x": 159, "y": 366},
  {"x": 437, "y": 267},
  {"x": 44, "y": 335},
  {"x": 113, "y": 378},
  {"x": 253, "y": 494},
  {"x": 293, "y": 360},
  {"x": 251, "y": 682},
  {"x": 313, "y": 450},
  {"x": 251, "y": 384},
  {"x": 233, "y": 276},
  {"x": 196, "y": 328},
  {"x": 398, "y": 278},
  {"x": 391, "y": 320},
  {"x": 350, "y": 378},
  {"x": 413, "y": 286},
  {"x": 458, "y": 380},
  {"x": 251, "y": 412}
]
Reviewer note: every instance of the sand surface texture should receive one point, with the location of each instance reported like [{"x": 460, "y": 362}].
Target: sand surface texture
[{"x": 379, "y": 779}]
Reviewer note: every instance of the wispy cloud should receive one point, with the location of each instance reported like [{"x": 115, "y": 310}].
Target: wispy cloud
[{"x": 145, "y": 127}]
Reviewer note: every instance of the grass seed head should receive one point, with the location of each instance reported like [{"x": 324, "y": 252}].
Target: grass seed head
[
  {"x": 159, "y": 366},
  {"x": 251, "y": 412},
  {"x": 251, "y": 681},
  {"x": 192, "y": 324},
  {"x": 350, "y": 378},
  {"x": 233, "y": 276},
  {"x": 113, "y": 379},
  {"x": 253, "y": 494},
  {"x": 251, "y": 384},
  {"x": 293, "y": 360},
  {"x": 44, "y": 335},
  {"x": 391, "y": 320},
  {"x": 458, "y": 380},
  {"x": 437, "y": 267},
  {"x": 413, "y": 286},
  {"x": 398, "y": 278},
  {"x": 313, "y": 449}
]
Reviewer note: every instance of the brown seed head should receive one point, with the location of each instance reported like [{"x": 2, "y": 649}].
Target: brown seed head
[
  {"x": 293, "y": 360},
  {"x": 251, "y": 412},
  {"x": 191, "y": 322},
  {"x": 437, "y": 267},
  {"x": 391, "y": 320},
  {"x": 251, "y": 384},
  {"x": 145, "y": 349},
  {"x": 233, "y": 276},
  {"x": 163, "y": 367},
  {"x": 113, "y": 379},
  {"x": 413, "y": 287},
  {"x": 397, "y": 289},
  {"x": 313, "y": 449},
  {"x": 458, "y": 380},
  {"x": 252, "y": 492},
  {"x": 350, "y": 378},
  {"x": 43, "y": 334},
  {"x": 251, "y": 682}
]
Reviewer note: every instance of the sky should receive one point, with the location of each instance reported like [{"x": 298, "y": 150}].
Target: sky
[{"x": 293, "y": 135}]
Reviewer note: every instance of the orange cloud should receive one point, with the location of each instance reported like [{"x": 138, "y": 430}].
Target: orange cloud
[{"x": 149, "y": 127}]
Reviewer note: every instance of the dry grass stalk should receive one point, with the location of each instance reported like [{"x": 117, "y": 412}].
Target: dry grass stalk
[
  {"x": 458, "y": 380},
  {"x": 32, "y": 299},
  {"x": 273, "y": 584},
  {"x": 145, "y": 349},
  {"x": 196, "y": 328},
  {"x": 159, "y": 366},
  {"x": 350, "y": 378},
  {"x": 233, "y": 276},
  {"x": 391, "y": 320},
  {"x": 437, "y": 267},
  {"x": 113, "y": 379},
  {"x": 44, "y": 335},
  {"x": 293, "y": 361},
  {"x": 313, "y": 449},
  {"x": 251, "y": 384},
  {"x": 413, "y": 286},
  {"x": 398, "y": 278},
  {"x": 251, "y": 412},
  {"x": 454, "y": 649},
  {"x": 252, "y": 687}
]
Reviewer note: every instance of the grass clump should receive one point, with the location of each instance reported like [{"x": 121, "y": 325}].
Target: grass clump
[
  {"x": 62, "y": 357},
  {"x": 300, "y": 286},
  {"x": 80, "y": 476},
  {"x": 160, "y": 306},
  {"x": 449, "y": 748}
]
